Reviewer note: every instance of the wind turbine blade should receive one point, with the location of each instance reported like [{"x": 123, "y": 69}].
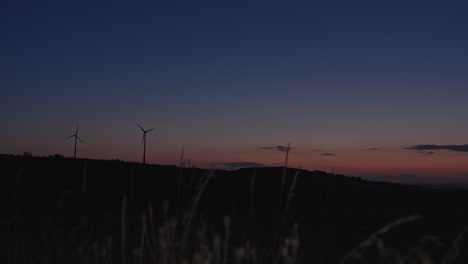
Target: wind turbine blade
[
  {"x": 79, "y": 139},
  {"x": 149, "y": 130},
  {"x": 140, "y": 127},
  {"x": 70, "y": 137},
  {"x": 76, "y": 133}
]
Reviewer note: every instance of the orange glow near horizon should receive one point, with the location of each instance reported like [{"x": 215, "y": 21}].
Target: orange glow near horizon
[{"x": 349, "y": 161}]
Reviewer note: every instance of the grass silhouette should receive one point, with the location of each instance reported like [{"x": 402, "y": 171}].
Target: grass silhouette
[{"x": 187, "y": 228}]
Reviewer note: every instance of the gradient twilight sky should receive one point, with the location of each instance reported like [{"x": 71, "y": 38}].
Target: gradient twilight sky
[{"x": 223, "y": 78}]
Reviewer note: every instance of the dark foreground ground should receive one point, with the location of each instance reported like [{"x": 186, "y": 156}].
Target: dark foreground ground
[{"x": 61, "y": 210}]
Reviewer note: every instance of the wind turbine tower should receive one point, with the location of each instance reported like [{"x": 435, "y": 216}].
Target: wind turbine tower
[
  {"x": 143, "y": 141},
  {"x": 76, "y": 138}
]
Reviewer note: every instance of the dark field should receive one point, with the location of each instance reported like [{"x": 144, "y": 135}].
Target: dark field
[{"x": 61, "y": 210}]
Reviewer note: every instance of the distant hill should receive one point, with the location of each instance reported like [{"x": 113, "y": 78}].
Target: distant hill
[{"x": 409, "y": 179}]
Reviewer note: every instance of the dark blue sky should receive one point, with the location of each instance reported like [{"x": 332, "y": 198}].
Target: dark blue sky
[{"x": 224, "y": 77}]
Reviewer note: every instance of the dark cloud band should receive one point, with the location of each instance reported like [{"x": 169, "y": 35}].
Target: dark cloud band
[
  {"x": 278, "y": 148},
  {"x": 458, "y": 148}
]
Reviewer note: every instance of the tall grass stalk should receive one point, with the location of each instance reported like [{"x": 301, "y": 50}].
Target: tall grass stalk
[
  {"x": 279, "y": 224},
  {"x": 83, "y": 193},
  {"x": 151, "y": 221},
  {"x": 455, "y": 248},
  {"x": 284, "y": 176},
  {"x": 326, "y": 195},
  {"x": 152, "y": 242},
  {"x": 282, "y": 229},
  {"x": 182, "y": 157},
  {"x": 283, "y": 181},
  {"x": 252, "y": 182},
  {"x": 190, "y": 187},
  {"x": 133, "y": 220},
  {"x": 291, "y": 193},
  {"x": 17, "y": 232},
  {"x": 179, "y": 181},
  {"x": 123, "y": 229},
  {"x": 191, "y": 213},
  {"x": 357, "y": 251},
  {"x": 227, "y": 224},
  {"x": 142, "y": 238}
]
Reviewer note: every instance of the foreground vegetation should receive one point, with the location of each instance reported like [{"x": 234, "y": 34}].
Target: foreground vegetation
[{"x": 87, "y": 211}]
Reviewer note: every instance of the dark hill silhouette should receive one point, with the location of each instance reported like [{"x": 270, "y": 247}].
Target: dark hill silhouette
[{"x": 334, "y": 212}]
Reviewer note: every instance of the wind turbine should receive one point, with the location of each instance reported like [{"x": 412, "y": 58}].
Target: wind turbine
[
  {"x": 143, "y": 141},
  {"x": 76, "y": 138}
]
